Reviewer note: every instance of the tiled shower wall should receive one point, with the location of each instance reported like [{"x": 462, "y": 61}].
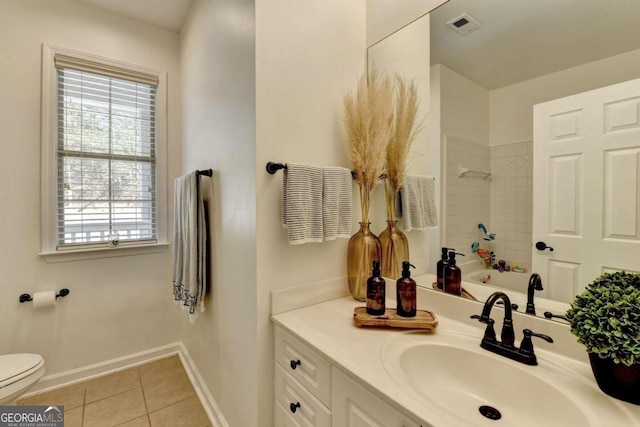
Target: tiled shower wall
[
  {"x": 511, "y": 206},
  {"x": 503, "y": 203},
  {"x": 467, "y": 198}
]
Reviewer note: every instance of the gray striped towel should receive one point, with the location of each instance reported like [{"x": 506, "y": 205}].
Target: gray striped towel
[
  {"x": 302, "y": 203},
  {"x": 337, "y": 200},
  {"x": 418, "y": 203}
]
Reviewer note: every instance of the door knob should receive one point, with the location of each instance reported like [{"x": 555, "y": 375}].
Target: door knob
[{"x": 541, "y": 246}]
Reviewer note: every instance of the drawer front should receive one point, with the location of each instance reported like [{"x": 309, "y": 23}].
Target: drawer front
[
  {"x": 355, "y": 406},
  {"x": 296, "y": 406},
  {"x": 304, "y": 364}
]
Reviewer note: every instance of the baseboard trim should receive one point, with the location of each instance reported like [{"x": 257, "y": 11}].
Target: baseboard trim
[{"x": 89, "y": 372}]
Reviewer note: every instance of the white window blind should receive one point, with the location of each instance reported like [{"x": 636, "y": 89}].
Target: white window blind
[{"x": 106, "y": 155}]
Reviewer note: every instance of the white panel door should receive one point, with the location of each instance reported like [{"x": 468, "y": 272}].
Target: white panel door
[{"x": 586, "y": 187}]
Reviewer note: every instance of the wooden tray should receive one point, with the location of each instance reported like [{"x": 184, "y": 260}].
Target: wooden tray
[
  {"x": 423, "y": 320},
  {"x": 464, "y": 294}
]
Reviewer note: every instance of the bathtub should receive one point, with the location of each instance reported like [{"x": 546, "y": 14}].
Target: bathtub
[{"x": 507, "y": 280}]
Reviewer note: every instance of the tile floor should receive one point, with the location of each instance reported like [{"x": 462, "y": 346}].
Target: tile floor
[{"x": 158, "y": 394}]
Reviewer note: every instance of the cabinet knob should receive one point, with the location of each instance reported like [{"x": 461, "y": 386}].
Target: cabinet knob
[
  {"x": 294, "y": 407},
  {"x": 295, "y": 363}
]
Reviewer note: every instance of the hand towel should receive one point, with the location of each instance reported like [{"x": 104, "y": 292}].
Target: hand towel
[
  {"x": 302, "y": 203},
  {"x": 418, "y": 203},
  {"x": 337, "y": 200},
  {"x": 189, "y": 245}
]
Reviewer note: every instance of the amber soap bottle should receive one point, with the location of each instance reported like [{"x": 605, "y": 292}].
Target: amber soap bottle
[
  {"x": 440, "y": 268},
  {"x": 376, "y": 292},
  {"x": 453, "y": 276},
  {"x": 406, "y": 292}
]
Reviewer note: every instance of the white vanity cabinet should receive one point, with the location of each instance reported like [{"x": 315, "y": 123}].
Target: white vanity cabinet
[
  {"x": 355, "y": 406},
  {"x": 310, "y": 392}
]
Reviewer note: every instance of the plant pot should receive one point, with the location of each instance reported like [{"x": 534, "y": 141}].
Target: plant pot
[{"x": 617, "y": 379}]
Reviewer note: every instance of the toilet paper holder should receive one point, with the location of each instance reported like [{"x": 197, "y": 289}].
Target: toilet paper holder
[{"x": 63, "y": 293}]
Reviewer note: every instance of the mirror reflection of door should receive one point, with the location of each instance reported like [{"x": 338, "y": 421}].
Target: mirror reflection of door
[{"x": 586, "y": 187}]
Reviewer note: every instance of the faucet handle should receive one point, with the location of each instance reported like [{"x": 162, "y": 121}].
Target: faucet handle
[
  {"x": 527, "y": 345},
  {"x": 489, "y": 332}
]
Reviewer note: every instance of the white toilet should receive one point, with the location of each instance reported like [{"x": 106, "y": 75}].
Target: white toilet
[{"x": 18, "y": 373}]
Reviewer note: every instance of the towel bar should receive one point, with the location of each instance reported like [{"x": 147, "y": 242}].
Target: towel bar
[
  {"x": 273, "y": 167},
  {"x": 205, "y": 172}
]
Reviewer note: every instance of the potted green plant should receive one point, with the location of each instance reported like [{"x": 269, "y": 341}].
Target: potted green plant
[{"x": 606, "y": 319}]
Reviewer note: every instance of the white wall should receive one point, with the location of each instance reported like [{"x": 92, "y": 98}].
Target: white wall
[
  {"x": 464, "y": 134},
  {"x": 406, "y": 53},
  {"x": 512, "y": 106},
  {"x": 117, "y": 306},
  {"x": 218, "y": 84},
  {"x": 465, "y": 107},
  {"x": 308, "y": 55}
]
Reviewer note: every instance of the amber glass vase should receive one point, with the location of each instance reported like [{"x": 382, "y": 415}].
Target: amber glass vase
[
  {"x": 364, "y": 247},
  {"x": 395, "y": 249},
  {"x": 395, "y": 246}
]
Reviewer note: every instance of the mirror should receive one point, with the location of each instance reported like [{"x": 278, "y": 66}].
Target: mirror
[{"x": 483, "y": 87}]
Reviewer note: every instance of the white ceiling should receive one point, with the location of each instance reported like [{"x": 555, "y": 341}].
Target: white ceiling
[
  {"x": 523, "y": 39},
  {"x": 168, "y": 14},
  {"x": 518, "y": 40}
]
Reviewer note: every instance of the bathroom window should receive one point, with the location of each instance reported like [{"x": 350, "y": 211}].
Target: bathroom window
[{"x": 106, "y": 125}]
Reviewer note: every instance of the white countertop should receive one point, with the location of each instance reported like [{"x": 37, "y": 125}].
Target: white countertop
[{"x": 328, "y": 328}]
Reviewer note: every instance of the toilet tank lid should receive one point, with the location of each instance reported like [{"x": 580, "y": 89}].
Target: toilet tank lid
[{"x": 12, "y": 365}]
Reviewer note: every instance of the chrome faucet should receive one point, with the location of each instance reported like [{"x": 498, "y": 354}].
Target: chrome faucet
[
  {"x": 535, "y": 284},
  {"x": 506, "y": 346}
]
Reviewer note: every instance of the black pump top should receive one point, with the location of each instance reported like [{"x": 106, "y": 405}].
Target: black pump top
[
  {"x": 444, "y": 253},
  {"x": 452, "y": 257},
  {"x": 405, "y": 269},
  {"x": 376, "y": 268}
]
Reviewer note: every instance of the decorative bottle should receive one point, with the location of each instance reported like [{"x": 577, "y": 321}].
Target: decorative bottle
[
  {"x": 363, "y": 248},
  {"x": 453, "y": 275},
  {"x": 440, "y": 268},
  {"x": 376, "y": 292},
  {"x": 406, "y": 292}
]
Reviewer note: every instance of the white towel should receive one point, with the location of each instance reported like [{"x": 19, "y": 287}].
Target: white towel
[
  {"x": 189, "y": 245},
  {"x": 418, "y": 203},
  {"x": 302, "y": 203},
  {"x": 337, "y": 200}
]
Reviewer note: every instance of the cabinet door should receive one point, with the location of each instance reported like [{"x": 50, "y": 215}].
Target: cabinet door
[
  {"x": 295, "y": 405},
  {"x": 304, "y": 364},
  {"x": 354, "y": 406}
]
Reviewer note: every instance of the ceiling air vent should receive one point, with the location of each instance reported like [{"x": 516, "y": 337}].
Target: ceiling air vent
[{"x": 464, "y": 24}]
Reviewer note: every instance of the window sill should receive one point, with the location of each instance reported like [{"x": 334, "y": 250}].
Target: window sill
[{"x": 106, "y": 252}]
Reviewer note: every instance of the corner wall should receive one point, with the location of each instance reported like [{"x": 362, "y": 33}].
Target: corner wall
[
  {"x": 218, "y": 84},
  {"x": 117, "y": 306},
  {"x": 308, "y": 55}
]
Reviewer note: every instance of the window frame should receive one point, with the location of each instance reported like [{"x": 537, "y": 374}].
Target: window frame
[{"x": 49, "y": 166}]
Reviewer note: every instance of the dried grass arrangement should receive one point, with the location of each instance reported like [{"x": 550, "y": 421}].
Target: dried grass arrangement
[
  {"x": 393, "y": 242},
  {"x": 404, "y": 131},
  {"x": 368, "y": 119}
]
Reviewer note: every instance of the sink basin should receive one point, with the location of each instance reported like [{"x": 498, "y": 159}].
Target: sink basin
[{"x": 454, "y": 373}]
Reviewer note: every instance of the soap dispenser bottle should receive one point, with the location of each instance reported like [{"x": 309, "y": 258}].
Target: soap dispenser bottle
[
  {"x": 440, "y": 268},
  {"x": 406, "y": 292},
  {"x": 453, "y": 275},
  {"x": 376, "y": 291}
]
